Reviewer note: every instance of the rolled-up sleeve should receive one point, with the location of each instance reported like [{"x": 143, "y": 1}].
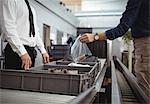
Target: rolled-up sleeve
[
  {"x": 127, "y": 20},
  {"x": 9, "y": 26}
]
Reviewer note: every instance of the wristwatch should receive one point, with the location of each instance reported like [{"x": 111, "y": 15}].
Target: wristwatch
[{"x": 96, "y": 36}]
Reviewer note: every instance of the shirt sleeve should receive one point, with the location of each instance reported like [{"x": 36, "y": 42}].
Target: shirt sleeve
[
  {"x": 9, "y": 26},
  {"x": 127, "y": 20},
  {"x": 39, "y": 42}
]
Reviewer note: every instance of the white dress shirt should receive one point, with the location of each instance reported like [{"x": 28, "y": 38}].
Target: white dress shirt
[
  {"x": 15, "y": 15},
  {"x": 0, "y": 17}
]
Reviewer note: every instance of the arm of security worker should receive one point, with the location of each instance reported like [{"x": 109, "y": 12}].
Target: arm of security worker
[
  {"x": 40, "y": 46},
  {"x": 39, "y": 42},
  {"x": 10, "y": 32}
]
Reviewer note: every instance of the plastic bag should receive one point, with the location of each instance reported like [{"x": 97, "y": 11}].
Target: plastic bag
[{"x": 79, "y": 50}]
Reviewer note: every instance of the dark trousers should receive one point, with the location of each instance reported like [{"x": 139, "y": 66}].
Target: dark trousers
[{"x": 13, "y": 60}]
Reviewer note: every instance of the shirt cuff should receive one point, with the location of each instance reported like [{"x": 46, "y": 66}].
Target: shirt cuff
[
  {"x": 22, "y": 51},
  {"x": 110, "y": 37},
  {"x": 102, "y": 36},
  {"x": 43, "y": 50}
]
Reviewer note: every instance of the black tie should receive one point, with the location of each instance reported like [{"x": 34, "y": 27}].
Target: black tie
[{"x": 32, "y": 29}]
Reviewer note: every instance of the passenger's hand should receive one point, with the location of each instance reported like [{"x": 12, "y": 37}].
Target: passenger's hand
[
  {"x": 26, "y": 61},
  {"x": 86, "y": 38},
  {"x": 45, "y": 58}
]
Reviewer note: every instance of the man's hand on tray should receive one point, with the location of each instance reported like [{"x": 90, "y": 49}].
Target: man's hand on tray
[
  {"x": 45, "y": 58},
  {"x": 26, "y": 61}
]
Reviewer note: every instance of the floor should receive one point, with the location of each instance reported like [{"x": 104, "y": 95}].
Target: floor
[{"x": 25, "y": 97}]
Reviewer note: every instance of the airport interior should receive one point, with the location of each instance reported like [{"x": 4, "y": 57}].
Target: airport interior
[{"x": 74, "y": 52}]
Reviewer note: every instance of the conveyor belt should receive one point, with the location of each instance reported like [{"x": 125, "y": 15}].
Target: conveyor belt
[
  {"x": 125, "y": 86},
  {"x": 127, "y": 94}
]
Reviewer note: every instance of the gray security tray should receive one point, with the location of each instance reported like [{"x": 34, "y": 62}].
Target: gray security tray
[{"x": 43, "y": 80}]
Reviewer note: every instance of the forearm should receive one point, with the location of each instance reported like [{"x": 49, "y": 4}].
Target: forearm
[
  {"x": 113, "y": 33},
  {"x": 9, "y": 26},
  {"x": 40, "y": 45},
  {"x": 127, "y": 20},
  {"x": 116, "y": 32},
  {"x": 102, "y": 36},
  {"x": 16, "y": 45}
]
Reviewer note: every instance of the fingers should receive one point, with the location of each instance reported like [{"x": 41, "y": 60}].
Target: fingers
[
  {"x": 86, "y": 38},
  {"x": 26, "y": 61},
  {"x": 30, "y": 63},
  {"x": 26, "y": 66},
  {"x": 45, "y": 58}
]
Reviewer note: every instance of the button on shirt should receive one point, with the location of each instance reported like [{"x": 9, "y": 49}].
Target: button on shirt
[{"x": 15, "y": 17}]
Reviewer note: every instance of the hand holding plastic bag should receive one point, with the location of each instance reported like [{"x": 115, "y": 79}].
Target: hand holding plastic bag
[{"x": 79, "y": 50}]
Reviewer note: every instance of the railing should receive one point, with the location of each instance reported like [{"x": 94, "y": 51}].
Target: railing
[
  {"x": 116, "y": 98},
  {"x": 87, "y": 96},
  {"x": 132, "y": 81}
]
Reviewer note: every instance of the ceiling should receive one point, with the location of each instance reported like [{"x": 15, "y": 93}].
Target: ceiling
[
  {"x": 72, "y": 2},
  {"x": 95, "y": 5},
  {"x": 74, "y": 5}
]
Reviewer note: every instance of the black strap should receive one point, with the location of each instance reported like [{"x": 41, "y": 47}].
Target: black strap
[{"x": 31, "y": 20}]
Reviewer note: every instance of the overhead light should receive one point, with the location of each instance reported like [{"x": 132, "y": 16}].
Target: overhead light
[{"x": 84, "y": 14}]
